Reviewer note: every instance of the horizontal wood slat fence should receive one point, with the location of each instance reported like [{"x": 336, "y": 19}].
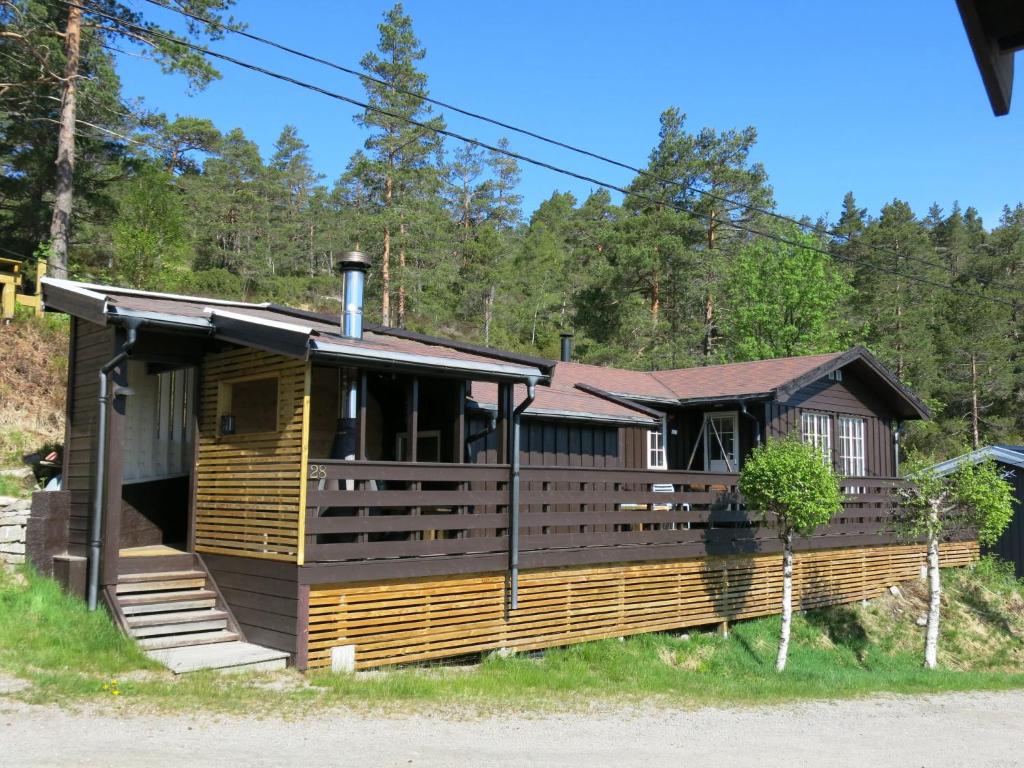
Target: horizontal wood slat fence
[
  {"x": 365, "y": 510},
  {"x": 396, "y": 622}
]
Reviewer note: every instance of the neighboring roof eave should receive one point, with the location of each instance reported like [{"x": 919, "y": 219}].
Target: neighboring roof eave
[
  {"x": 622, "y": 401},
  {"x": 725, "y": 399},
  {"x": 562, "y": 415},
  {"x": 1000, "y": 453},
  {"x": 914, "y": 404}
]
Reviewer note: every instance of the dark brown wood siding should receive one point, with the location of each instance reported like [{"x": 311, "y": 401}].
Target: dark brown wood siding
[
  {"x": 849, "y": 397},
  {"x": 263, "y": 595},
  {"x": 551, "y": 443},
  {"x": 91, "y": 346}
]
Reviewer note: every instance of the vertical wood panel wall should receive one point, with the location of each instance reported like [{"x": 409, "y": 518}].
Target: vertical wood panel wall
[
  {"x": 397, "y": 622},
  {"x": 91, "y": 346},
  {"x": 848, "y": 397},
  {"x": 248, "y": 487}
]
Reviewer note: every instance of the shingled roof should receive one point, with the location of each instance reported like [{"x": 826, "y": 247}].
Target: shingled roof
[
  {"x": 611, "y": 390},
  {"x": 563, "y": 399}
]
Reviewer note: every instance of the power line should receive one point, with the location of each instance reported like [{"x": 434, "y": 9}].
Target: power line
[
  {"x": 515, "y": 155},
  {"x": 734, "y": 204}
]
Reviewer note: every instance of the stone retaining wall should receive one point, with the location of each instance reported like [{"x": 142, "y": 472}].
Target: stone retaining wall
[
  {"x": 35, "y": 530},
  {"x": 14, "y": 531}
]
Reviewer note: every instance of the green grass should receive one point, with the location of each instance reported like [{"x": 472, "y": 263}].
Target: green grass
[
  {"x": 71, "y": 656},
  {"x": 13, "y": 486}
]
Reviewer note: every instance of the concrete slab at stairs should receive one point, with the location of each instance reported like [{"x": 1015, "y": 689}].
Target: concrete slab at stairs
[{"x": 224, "y": 657}]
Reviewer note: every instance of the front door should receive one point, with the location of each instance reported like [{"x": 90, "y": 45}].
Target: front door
[{"x": 721, "y": 442}]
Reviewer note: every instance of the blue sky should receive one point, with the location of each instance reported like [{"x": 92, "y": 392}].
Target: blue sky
[{"x": 880, "y": 98}]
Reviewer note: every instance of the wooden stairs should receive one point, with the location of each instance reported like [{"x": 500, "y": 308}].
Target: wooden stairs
[{"x": 173, "y": 609}]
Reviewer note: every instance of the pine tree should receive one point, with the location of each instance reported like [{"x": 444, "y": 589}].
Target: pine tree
[
  {"x": 106, "y": 21},
  {"x": 400, "y": 161}
]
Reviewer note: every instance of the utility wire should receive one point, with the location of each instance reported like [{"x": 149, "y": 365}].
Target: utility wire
[
  {"x": 734, "y": 204},
  {"x": 520, "y": 157}
]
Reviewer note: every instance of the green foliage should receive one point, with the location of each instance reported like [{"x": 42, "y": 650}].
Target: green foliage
[
  {"x": 972, "y": 497},
  {"x": 148, "y": 234},
  {"x": 787, "y": 481},
  {"x": 784, "y": 300}
]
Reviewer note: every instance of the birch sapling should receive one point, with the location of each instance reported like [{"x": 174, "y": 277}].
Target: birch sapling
[
  {"x": 793, "y": 487},
  {"x": 974, "y": 497}
]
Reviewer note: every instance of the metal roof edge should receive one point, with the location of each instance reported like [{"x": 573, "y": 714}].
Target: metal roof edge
[
  {"x": 998, "y": 452},
  {"x": 352, "y": 352}
]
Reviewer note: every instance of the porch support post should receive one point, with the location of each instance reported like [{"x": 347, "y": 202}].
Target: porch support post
[
  {"x": 413, "y": 419},
  {"x": 459, "y": 424},
  {"x": 504, "y": 411},
  {"x": 413, "y": 439},
  {"x": 361, "y": 439},
  {"x": 114, "y": 474}
]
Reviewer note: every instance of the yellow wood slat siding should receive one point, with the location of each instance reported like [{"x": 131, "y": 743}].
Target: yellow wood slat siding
[
  {"x": 396, "y": 622},
  {"x": 249, "y": 487}
]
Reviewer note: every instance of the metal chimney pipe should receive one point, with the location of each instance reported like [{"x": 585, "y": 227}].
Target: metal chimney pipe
[
  {"x": 566, "y": 347},
  {"x": 352, "y": 265}
]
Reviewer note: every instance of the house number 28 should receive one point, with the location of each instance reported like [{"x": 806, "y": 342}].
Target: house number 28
[{"x": 317, "y": 472}]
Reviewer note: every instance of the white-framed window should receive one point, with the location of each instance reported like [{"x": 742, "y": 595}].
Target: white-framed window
[
  {"x": 656, "y": 458},
  {"x": 816, "y": 429},
  {"x": 851, "y": 446}
]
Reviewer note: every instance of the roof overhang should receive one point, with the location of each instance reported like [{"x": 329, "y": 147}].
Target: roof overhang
[
  {"x": 228, "y": 322},
  {"x": 401, "y": 360},
  {"x": 995, "y": 30},
  {"x": 1001, "y": 453}
]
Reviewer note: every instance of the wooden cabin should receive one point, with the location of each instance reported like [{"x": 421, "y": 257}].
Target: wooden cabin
[{"x": 356, "y": 496}]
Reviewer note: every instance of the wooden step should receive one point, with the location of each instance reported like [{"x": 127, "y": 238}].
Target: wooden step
[
  {"x": 175, "y": 617},
  {"x": 180, "y": 641},
  {"x": 158, "y": 602},
  {"x": 175, "y": 584},
  {"x": 131, "y": 578},
  {"x": 179, "y": 628},
  {"x": 169, "y": 606}
]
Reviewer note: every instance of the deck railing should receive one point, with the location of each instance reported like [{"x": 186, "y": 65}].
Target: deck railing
[{"x": 367, "y": 510}]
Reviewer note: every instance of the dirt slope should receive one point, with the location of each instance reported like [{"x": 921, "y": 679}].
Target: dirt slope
[{"x": 33, "y": 376}]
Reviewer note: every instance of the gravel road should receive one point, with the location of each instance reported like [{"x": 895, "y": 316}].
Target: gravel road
[{"x": 950, "y": 730}]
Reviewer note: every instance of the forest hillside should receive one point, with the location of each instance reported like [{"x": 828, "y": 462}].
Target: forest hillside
[{"x": 690, "y": 264}]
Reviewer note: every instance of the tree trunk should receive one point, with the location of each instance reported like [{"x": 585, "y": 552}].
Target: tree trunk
[
  {"x": 975, "y": 418},
  {"x": 655, "y": 299},
  {"x": 488, "y": 315},
  {"x": 385, "y": 262},
  {"x": 709, "y": 325},
  {"x": 401, "y": 276},
  {"x": 60, "y": 224},
  {"x": 787, "y": 600},
  {"x": 931, "y": 645}
]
